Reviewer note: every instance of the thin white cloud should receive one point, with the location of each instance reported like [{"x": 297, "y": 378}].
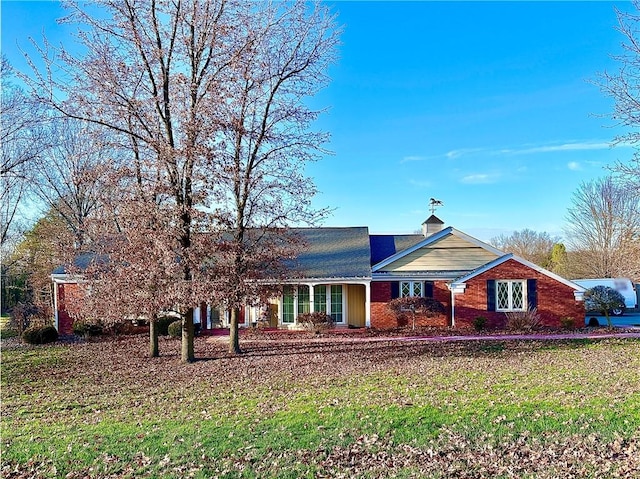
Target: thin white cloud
[
  {"x": 453, "y": 154},
  {"x": 574, "y": 166},
  {"x": 413, "y": 158},
  {"x": 479, "y": 178},
  {"x": 577, "y": 146},
  {"x": 526, "y": 149}
]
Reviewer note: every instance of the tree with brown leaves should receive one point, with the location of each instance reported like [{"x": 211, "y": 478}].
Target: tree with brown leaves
[{"x": 209, "y": 96}]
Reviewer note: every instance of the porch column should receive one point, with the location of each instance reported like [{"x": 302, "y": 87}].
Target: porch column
[
  {"x": 311, "y": 300},
  {"x": 55, "y": 305},
  {"x": 208, "y": 316},
  {"x": 367, "y": 304}
]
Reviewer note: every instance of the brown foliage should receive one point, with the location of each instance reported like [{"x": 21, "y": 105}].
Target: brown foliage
[{"x": 523, "y": 320}]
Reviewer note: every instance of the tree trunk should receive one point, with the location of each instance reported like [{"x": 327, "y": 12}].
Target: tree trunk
[
  {"x": 234, "y": 340},
  {"x": 188, "y": 355},
  {"x": 153, "y": 338}
]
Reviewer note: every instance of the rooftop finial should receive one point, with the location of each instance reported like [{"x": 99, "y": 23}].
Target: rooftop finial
[{"x": 433, "y": 204}]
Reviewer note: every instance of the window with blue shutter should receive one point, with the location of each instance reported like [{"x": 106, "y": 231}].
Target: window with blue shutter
[
  {"x": 532, "y": 294},
  {"x": 428, "y": 289},
  {"x": 395, "y": 290},
  {"x": 491, "y": 295}
]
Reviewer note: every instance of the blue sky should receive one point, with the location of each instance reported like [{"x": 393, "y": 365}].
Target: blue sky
[{"x": 485, "y": 106}]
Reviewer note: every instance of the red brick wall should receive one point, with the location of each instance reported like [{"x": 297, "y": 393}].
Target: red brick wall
[
  {"x": 383, "y": 318},
  {"x": 65, "y": 321},
  {"x": 555, "y": 300}
]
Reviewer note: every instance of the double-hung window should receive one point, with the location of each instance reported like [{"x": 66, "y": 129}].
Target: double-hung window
[
  {"x": 303, "y": 299},
  {"x": 336, "y": 303},
  {"x": 288, "y": 302},
  {"x": 320, "y": 298},
  {"x": 411, "y": 288},
  {"x": 511, "y": 295}
]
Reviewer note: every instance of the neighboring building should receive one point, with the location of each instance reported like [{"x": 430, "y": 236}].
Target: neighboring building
[{"x": 352, "y": 275}]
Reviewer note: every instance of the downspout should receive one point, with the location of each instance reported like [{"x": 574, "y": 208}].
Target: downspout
[
  {"x": 453, "y": 309},
  {"x": 455, "y": 288}
]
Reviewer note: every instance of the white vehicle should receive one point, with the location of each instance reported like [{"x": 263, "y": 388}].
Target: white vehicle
[{"x": 623, "y": 285}]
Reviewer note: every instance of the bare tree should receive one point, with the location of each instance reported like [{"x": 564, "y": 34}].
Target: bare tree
[
  {"x": 267, "y": 138},
  {"x": 21, "y": 140},
  {"x": 68, "y": 175},
  {"x": 604, "y": 230},
  {"x": 167, "y": 76},
  {"x": 623, "y": 86},
  {"x": 528, "y": 244}
]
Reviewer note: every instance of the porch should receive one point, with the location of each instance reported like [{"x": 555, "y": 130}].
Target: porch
[{"x": 348, "y": 305}]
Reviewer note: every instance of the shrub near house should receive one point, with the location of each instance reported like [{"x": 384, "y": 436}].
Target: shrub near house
[{"x": 604, "y": 300}]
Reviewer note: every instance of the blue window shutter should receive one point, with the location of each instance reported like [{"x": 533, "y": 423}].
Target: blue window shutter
[
  {"x": 428, "y": 289},
  {"x": 491, "y": 295},
  {"x": 395, "y": 290},
  {"x": 532, "y": 294}
]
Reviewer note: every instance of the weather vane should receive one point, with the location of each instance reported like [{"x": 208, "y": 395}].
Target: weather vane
[{"x": 433, "y": 204}]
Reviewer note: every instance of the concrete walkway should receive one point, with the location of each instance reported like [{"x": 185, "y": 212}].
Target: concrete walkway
[{"x": 514, "y": 337}]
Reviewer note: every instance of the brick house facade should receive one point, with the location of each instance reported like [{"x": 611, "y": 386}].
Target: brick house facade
[
  {"x": 553, "y": 298},
  {"x": 352, "y": 275}
]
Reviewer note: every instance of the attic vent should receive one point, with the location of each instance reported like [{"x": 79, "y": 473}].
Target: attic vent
[{"x": 432, "y": 225}]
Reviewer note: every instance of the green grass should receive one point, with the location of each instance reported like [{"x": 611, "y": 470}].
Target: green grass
[
  {"x": 5, "y": 330},
  {"x": 102, "y": 409}
]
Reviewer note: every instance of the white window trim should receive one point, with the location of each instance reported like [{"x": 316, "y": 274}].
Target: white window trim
[
  {"x": 327, "y": 302},
  {"x": 281, "y": 307},
  {"x": 411, "y": 288},
  {"x": 510, "y": 282},
  {"x": 344, "y": 302}
]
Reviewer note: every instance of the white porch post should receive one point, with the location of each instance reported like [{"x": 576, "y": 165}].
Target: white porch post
[
  {"x": 196, "y": 314},
  {"x": 311, "y": 300},
  {"x": 367, "y": 304},
  {"x": 55, "y": 305},
  {"x": 208, "y": 316}
]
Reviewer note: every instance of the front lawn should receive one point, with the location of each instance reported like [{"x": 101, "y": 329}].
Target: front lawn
[{"x": 323, "y": 408}]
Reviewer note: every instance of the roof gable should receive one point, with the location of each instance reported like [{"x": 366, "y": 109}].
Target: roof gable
[
  {"x": 448, "y": 249},
  {"x": 507, "y": 257}
]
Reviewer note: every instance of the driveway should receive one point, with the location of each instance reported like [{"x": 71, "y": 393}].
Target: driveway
[{"x": 625, "y": 321}]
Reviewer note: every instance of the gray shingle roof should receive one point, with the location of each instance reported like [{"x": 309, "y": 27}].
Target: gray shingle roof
[
  {"x": 81, "y": 263},
  {"x": 328, "y": 252},
  {"x": 334, "y": 253}
]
